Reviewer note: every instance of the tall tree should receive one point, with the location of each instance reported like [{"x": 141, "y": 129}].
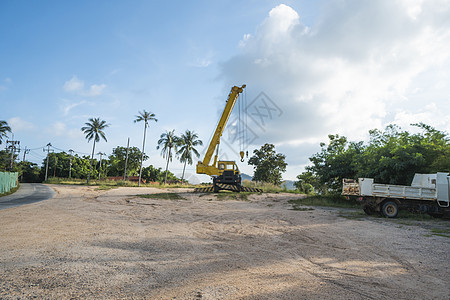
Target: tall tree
[
  {"x": 29, "y": 172},
  {"x": 117, "y": 159},
  {"x": 5, "y": 159},
  {"x": 93, "y": 131},
  {"x": 167, "y": 142},
  {"x": 268, "y": 164},
  {"x": 188, "y": 141},
  {"x": 336, "y": 160},
  {"x": 4, "y": 128},
  {"x": 391, "y": 156},
  {"x": 146, "y": 117}
]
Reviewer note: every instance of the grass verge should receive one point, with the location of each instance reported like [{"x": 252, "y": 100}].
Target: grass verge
[
  {"x": 228, "y": 195},
  {"x": 104, "y": 183},
  {"x": 164, "y": 196},
  {"x": 441, "y": 232},
  {"x": 325, "y": 201},
  {"x": 106, "y": 187}
]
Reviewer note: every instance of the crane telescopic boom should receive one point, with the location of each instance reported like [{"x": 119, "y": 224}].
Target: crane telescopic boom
[{"x": 225, "y": 174}]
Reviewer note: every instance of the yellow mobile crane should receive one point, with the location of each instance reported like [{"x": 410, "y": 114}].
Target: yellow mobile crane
[{"x": 225, "y": 174}]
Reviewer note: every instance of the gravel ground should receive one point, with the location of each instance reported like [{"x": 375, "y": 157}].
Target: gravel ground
[{"x": 97, "y": 244}]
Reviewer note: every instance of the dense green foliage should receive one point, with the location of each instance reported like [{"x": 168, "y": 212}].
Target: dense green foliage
[
  {"x": 5, "y": 160},
  {"x": 152, "y": 174},
  {"x": 29, "y": 172},
  {"x": 268, "y": 164},
  {"x": 59, "y": 166},
  {"x": 116, "y": 162},
  {"x": 391, "y": 156}
]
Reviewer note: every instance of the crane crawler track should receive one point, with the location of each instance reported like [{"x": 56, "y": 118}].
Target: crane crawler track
[{"x": 229, "y": 187}]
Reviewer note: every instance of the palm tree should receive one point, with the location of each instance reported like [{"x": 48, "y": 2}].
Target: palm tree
[
  {"x": 93, "y": 130},
  {"x": 4, "y": 128},
  {"x": 188, "y": 141},
  {"x": 167, "y": 142},
  {"x": 144, "y": 116}
]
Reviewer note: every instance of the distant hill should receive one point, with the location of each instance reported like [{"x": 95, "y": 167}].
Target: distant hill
[
  {"x": 246, "y": 177},
  {"x": 289, "y": 184}
]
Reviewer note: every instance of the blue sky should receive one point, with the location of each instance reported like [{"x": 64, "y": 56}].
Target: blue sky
[{"x": 323, "y": 67}]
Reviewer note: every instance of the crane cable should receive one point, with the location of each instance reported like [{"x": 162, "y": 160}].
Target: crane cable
[
  {"x": 239, "y": 123},
  {"x": 242, "y": 124},
  {"x": 245, "y": 123}
]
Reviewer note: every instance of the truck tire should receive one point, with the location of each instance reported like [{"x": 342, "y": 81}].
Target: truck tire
[{"x": 389, "y": 209}]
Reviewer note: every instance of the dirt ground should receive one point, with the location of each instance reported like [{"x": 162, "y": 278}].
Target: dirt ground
[{"x": 89, "y": 243}]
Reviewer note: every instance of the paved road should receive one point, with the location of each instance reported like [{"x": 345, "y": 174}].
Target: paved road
[{"x": 27, "y": 193}]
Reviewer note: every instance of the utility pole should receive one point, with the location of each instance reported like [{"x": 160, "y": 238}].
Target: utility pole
[
  {"x": 46, "y": 164},
  {"x": 26, "y": 151},
  {"x": 100, "y": 170},
  {"x": 70, "y": 162},
  {"x": 13, "y": 149},
  {"x": 126, "y": 161}
]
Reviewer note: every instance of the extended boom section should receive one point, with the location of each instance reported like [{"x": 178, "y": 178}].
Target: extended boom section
[{"x": 225, "y": 174}]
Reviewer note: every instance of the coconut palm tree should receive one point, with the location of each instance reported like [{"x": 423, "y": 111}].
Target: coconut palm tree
[
  {"x": 94, "y": 130},
  {"x": 144, "y": 116},
  {"x": 4, "y": 128},
  {"x": 188, "y": 141},
  {"x": 167, "y": 142}
]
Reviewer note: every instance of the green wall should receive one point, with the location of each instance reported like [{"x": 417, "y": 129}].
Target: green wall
[{"x": 8, "y": 181}]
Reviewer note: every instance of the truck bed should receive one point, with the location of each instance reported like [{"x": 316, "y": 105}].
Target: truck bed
[
  {"x": 366, "y": 187},
  {"x": 402, "y": 192}
]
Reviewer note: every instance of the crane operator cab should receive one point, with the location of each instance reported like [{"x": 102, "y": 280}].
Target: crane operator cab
[{"x": 228, "y": 173}]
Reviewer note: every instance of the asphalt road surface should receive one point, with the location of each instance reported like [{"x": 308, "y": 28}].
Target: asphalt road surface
[{"x": 27, "y": 193}]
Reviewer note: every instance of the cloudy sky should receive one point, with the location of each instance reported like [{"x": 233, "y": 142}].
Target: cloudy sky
[{"x": 312, "y": 68}]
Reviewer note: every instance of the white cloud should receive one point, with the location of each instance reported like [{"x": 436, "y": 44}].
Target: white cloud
[
  {"x": 17, "y": 125},
  {"x": 95, "y": 90},
  {"x": 430, "y": 114},
  {"x": 75, "y": 85},
  {"x": 58, "y": 129},
  {"x": 351, "y": 71},
  {"x": 68, "y": 105},
  {"x": 363, "y": 65}
]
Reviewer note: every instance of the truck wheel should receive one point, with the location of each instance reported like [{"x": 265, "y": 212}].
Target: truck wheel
[{"x": 389, "y": 209}]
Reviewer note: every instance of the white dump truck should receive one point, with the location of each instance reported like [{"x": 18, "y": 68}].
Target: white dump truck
[{"x": 428, "y": 193}]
